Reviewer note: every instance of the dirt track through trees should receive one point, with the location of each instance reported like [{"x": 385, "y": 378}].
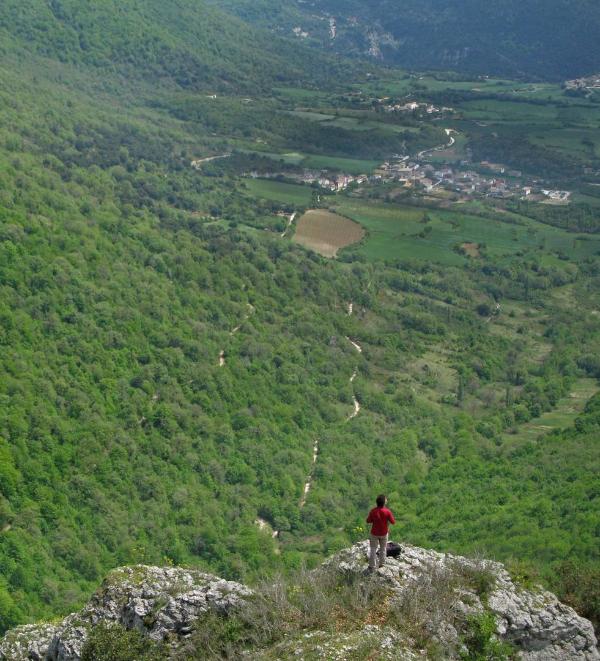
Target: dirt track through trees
[
  {"x": 355, "y": 412},
  {"x": 233, "y": 331},
  {"x": 262, "y": 524}
]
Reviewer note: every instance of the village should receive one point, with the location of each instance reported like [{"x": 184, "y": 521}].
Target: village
[
  {"x": 587, "y": 83},
  {"x": 484, "y": 179},
  {"x": 469, "y": 180}
]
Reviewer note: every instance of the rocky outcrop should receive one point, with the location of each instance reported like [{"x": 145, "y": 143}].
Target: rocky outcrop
[
  {"x": 158, "y": 601},
  {"x": 428, "y": 591},
  {"x": 536, "y": 622}
]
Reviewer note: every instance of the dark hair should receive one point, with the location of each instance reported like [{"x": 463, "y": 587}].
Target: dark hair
[{"x": 380, "y": 500}]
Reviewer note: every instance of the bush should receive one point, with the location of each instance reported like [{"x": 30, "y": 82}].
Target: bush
[
  {"x": 324, "y": 599},
  {"x": 578, "y": 584},
  {"x": 114, "y": 643},
  {"x": 481, "y": 642}
]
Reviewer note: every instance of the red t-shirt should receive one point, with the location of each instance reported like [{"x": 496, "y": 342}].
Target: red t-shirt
[{"x": 379, "y": 517}]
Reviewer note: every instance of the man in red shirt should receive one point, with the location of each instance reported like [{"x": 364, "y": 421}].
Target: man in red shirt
[{"x": 379, "y": 518}]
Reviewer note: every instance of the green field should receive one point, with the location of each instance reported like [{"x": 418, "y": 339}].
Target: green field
[
  {"x": 320, "y": 162},
  {"x": 294, "y": 194},
  {"x": 350, "y": 165},
  {"x": 393, "y": 234},
  {"x": 581, "y": 143},
  {"x": 312, "y": 116},
  {"x": 561, "y": 417},
  {"x": 426, "y": 84}
]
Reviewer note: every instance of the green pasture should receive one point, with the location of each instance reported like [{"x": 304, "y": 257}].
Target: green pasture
[
  {"x": 294, "y": 194},
  {"x": 366, "y": 124},
  {"x": 288, "y": 158},
  {"x": 562, "y": 416},
  {"x": 394, "y": 87},
  {"x": 424, "y": 84},
  {"x": 491, "y": 110},
  {"x": 349, "y": 165},
  {"x": 310, "y": 115},
  {"x": 534, "y": 114},
  {"x": 299, "y": 95},
  {"x": 320, "y": 162},
  {"x": 579, "y": 143},
  {"x": 586, "y": 199},
  {"x": 393, "y": 233}
]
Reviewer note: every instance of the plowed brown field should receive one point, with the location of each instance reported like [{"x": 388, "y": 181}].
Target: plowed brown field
[{"x": 326, "y": 232}]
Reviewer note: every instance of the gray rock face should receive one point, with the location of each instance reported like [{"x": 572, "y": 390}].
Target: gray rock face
[
  {"x": 542, "y": 627},
  {"x": 431, "y": 591},
  {"x": 154, "y": 600},
  {"x": 30, "y": 641}
]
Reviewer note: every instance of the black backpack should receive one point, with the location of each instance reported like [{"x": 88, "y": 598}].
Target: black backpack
[{"x": 393, "y": 550}]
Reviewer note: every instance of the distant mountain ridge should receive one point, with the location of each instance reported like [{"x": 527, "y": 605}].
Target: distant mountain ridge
[{"x": 545, "y": 39}]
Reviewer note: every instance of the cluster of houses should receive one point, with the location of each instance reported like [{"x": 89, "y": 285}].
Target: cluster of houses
[
  {"x": 590, "y": 82},
  {"x": 489, "y": 180},
  {"x": 323, "y": 178},
  {"x": 413, "y": 106}
]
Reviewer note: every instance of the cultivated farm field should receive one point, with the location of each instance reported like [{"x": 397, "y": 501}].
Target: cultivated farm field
[{"x": 326, "y": 232}]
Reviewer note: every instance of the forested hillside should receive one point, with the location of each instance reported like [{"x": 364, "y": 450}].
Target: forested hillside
[
  {"x": 170, "y": 359},
  {"x": 549, "y": 39},
  {"x": 192, "y": 44}
]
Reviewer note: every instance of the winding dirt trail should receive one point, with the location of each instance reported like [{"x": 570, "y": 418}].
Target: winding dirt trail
[
  {"x": 309, "y": 481},
  {"x": 355, "y": 401},
  {"x": 261, "y": 523},
  {"x": 356, "y": 408},
  {"x": 446, "y": 145},
  {"x": 233, "y": 331},
  {"x": 290, "y": 221},
  {"x": 197, "y": 164},
  {"x": 265, "y": 525},
  {"x": 356, "y": 345},
  {"x": 355, "y": 412}
]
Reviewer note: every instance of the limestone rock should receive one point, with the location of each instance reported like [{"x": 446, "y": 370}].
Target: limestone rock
[
  {"x": 542, "y": 627},
  {"x": 436, "y": 593},
  {"x": 157, "y": 601},
  {"x": 30, "y": 641}
]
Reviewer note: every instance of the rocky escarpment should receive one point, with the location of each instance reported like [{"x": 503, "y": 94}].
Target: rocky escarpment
[
  {"x": 538, "y": 625},
  {"x": 161, "y": 602},
  {"x": 423, "y": 601}
]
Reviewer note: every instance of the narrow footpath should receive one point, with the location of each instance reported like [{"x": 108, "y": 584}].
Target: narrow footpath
[
  {"x": 290, "y": 221},
  {"x": 309, "y": 481},
  {"x": 355, "y": 412},
  {"x": 233, "y": 331}
]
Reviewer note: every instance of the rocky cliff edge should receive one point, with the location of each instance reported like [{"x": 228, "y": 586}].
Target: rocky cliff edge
[{"x": 422, "y": 604}]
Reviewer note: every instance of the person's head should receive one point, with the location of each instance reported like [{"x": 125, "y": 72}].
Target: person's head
[{"x": 380, "y": 500}]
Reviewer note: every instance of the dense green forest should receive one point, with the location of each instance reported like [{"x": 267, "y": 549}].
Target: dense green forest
[
  {"x": 192, "y": 45},
  {"x": 124, "y": 273},
  {"x": 545, "y": 40}
]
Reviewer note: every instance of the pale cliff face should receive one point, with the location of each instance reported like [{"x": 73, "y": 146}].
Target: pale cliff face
[{"x": 438, "y": 594}]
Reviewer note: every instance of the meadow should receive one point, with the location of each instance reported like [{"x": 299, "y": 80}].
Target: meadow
[
  {"x": 562, "y": 416},
  {"x": 279, "y": 191},
  {"x": 400, "y": 232}
]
